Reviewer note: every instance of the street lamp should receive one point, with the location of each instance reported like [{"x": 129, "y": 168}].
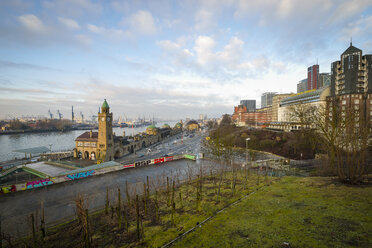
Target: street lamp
[{"x": 246, "y": 150}]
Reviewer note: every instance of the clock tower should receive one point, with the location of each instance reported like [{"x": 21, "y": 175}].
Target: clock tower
[{"x": 105, "y": 144}]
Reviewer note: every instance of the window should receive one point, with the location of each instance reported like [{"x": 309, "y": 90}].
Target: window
[
  {"x": 81, "y": 143},
  {"x": 86, "y": 143},
  {"x": 343, "y": 102},
  {"x": 93, "y": 144},
  {"x": 356, "y": 107},
  {"x": 101, "y": 145},
  {"x": 343, "y": 107}
]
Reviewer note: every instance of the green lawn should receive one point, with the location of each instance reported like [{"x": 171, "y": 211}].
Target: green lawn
[
  {"x": 301, "y": 212},
  {"x": 304, "y": 212}
]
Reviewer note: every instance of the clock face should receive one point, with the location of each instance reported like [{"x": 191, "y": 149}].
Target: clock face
[
  {"x": 108, "y": 118},
  {"x": 103, "y": 119}
]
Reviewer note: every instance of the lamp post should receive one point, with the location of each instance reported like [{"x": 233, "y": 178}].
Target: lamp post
[{"x": 246, "y": 150}]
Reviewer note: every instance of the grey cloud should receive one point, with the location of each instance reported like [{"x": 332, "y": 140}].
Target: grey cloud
[
  {"x": 23, "y": 66},
  {"x": 25, "y": 90}
]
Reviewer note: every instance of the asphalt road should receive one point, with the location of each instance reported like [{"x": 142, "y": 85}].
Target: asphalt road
[{"x": 59, "y": 199}]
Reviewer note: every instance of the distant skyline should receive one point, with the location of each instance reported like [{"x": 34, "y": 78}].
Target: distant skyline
[{"x": 171, "y": 59}]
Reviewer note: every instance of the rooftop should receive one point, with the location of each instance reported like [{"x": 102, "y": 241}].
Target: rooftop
[
  {"x": 351, "y": 49},
  {"x": 105, "y": 104},
  {"x": 313, "y": 95},
  {"x": 86, "y": 137}
]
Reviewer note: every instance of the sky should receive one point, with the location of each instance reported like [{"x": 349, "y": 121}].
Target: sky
[{"x": 170, "y": 59}]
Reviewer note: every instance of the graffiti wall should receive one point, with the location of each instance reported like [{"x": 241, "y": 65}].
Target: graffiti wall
[
  {"x": 85, "y": 174},
  {"x": 39, "y": 183},
  {"x": 80, "y": 175},
  {"x": 7, "y": 189}
]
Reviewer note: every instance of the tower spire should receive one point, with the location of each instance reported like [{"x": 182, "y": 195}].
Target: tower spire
[{"x": 351, "y": 41}]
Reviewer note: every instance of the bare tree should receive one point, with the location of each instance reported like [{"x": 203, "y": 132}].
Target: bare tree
[{"x": 344, "y": 134}]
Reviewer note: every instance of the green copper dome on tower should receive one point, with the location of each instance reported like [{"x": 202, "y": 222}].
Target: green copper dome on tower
[{"x": 105, "y": 105}]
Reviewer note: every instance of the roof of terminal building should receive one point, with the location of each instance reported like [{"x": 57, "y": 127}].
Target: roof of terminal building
[
  {"x": 86, "y": 136},
  {"x": 192, "y": 122},
  {"x": 310, "y": 96},
  {"x": 151, "y": 127},
  {"x": 33, "y": 150}
]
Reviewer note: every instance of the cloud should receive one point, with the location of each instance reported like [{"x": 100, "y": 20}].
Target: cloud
[
  {"x": 69, "y": 23},
  {"x": 175, "y": 49},
  {"x": 358, "y": 28},
  {"x": 204, "y": 21},
  {"x": 32, "y": 23},
  {"x": 23, "y": 66},
  {"x": 74, "y": 8},
  {"x": 271, "y": 11},
  {"x": 225, "y": 65},
  {"x": 18, "y": 5},
  {"x": 204, "y": 49},
  {"x": 96, "y": 29},
  {"x": 26, "y": 90},
  {"x": 83, "y": 39},
  {"x": 348, "y": 9},
  {"x": 141, "y": 23},
  {"x": 112, "y": 34}
]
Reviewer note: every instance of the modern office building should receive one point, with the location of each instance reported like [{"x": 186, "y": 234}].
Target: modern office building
[
  {"x": 267, "y": 99},
  {"x": 312, "y": 77},
  {"x": 308, "y": 98},
  {"x": 302, "y": 86},
  {"x": 324, "y": 79},
  {"x": 249, "y": 104},
  {"x": 276, "y": 104}
]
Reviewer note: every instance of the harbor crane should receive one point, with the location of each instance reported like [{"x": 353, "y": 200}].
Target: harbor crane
[
  {"x": 50, "y": 114},
  {"x": 59, "y": 114},
  {"x": 82, "y": 117}
]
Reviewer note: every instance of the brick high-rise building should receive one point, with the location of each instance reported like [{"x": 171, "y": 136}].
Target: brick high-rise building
[
  {"x": 351, "y": 86},
  {"x": 351, "y": 74},
  {"x": 312, "y": 77}
]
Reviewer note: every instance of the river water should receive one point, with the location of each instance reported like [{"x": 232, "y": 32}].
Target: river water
[{"x": 57, "y": 141}]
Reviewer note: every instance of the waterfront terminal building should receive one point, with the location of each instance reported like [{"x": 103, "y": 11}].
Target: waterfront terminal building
[{"x": 104, "y": 145}]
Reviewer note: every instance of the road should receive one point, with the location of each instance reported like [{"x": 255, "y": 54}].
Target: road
[{"x": 59, "y": 199}]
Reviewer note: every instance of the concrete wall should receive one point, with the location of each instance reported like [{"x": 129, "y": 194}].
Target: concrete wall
[{"x": 88, "y": 173}]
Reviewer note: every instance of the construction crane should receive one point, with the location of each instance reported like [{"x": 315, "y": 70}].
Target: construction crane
[
  {"x": 50, "y": 114},
  {"x": 82, "y": 117},
  {"x": 93, "y": 117},
  {"x": 59, "y": 114},
  {"x": 72, "y": 114}
]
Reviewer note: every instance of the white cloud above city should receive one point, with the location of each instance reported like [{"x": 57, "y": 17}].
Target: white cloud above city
[{"x": 165, "y": 58}]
